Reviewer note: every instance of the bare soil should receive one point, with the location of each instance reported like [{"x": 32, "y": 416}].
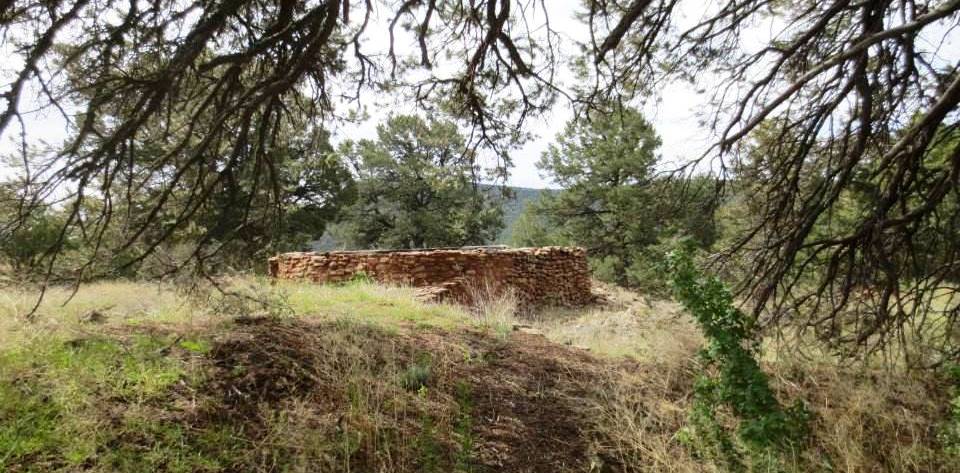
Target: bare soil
[{"x": 525, "y": 393}]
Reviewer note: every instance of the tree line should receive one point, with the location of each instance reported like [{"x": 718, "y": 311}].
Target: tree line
[{"x": 416, "y": 185}]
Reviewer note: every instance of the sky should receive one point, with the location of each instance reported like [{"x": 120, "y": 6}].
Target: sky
[
  {"x": 673, "y": 111},
  {"x": 673, "y": 117}
]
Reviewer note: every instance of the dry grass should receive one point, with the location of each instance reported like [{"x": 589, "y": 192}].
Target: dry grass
[
  {"x": 866, "y": 418},
  {"x": 636, "y": 414},
  {"x": 63, "y": 313},
  {"x": 363, "y": 377},
  {"x": 655, "y": 332},
  {"x": 119, "y": 303},
  {"x": 626, "y": 324},
  {"x": 863, "y": 421},
  {"x": 493, "y": 306}
]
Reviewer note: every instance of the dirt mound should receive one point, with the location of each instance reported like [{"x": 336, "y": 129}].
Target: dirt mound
[
  {"x": 269, "y": 360},
  {"x": 430, "y": 400}
]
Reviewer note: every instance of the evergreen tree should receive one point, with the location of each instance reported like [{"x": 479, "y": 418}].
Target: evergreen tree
[
  {"x": 418, "y": 186},
  {"x": 612, "y": 200}
]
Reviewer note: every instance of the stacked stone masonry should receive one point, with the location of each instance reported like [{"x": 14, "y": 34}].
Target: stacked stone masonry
[{"x": 535, "y": 276}]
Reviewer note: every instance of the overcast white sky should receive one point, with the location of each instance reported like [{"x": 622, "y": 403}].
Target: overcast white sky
[
  {"x": 674, "y": 117},
  {"x": 673, "y": 113}
]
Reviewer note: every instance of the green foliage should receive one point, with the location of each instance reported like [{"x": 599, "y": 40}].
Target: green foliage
[
  {"x": 417, "y": 375},
  {"x": 738, "y": 384},
  {"x": 514, "y": 206},
  {"x": 23, "y": 246},
  {"x": 949, "y": 435},
  {"x": 604, "y": 166},
  {"x": 533, "y": 228},
  {"x": 254, "y": 214},
  {"x": 250, "y": 214},
  {"x": 316, "y": 186},
  {"x": 612, "y": 201},
  {"x": 52, "y": 393},
  {"x": 463, "y": 429},
  {"x": 863, "y": 275},
  {"x": 418, "y": 186}
]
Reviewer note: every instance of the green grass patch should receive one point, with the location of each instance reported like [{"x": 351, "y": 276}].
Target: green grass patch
[
  {"x": 145, "y": 444},
  {"x": 370, "y": 302},
  {"x": 196, "y": 346},
  {"x": 417, "y": 375},
  {"x": 71, "y": 402}
]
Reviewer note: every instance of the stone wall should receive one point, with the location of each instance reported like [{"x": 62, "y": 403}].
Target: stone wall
[{"x": 536, "y": 276}]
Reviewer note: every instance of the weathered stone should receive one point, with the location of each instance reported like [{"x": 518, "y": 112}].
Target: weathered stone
[{"x": 535, "y": 276}]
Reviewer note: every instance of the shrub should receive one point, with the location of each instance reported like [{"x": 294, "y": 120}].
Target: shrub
[
  {"x": 732, "y": 378},
  {"x": 950, "y": 430}
]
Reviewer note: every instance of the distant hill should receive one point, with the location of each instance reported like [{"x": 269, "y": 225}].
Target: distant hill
[{"x": 512, "y": 208}]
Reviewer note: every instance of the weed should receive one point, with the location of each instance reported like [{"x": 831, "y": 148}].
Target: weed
[
  {"x": 428, "y": 449},
  {"x": 493, "y": 306},
  {"x": 740, "y": 385},
  {"x": 151, "y": 445},
  {"x": 417, "y": 375},
  {"x": 950, "y": 429},
  {"x": 28, "y": 424},
  {"x": 168, "y": 384},
  {"x": 361, "y": 278},
  {"x": 463, "y": 429},
  {"x": 196, "y": 346},
  {"x": 63, "y": 395},
  {"x": 252, "y": 299}
]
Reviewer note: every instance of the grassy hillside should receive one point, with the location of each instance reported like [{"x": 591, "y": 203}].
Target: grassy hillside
[{"x": 362, "y": 377}]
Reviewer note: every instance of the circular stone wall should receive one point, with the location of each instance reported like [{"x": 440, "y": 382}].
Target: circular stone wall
[{"x": 535, "y": 276}]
